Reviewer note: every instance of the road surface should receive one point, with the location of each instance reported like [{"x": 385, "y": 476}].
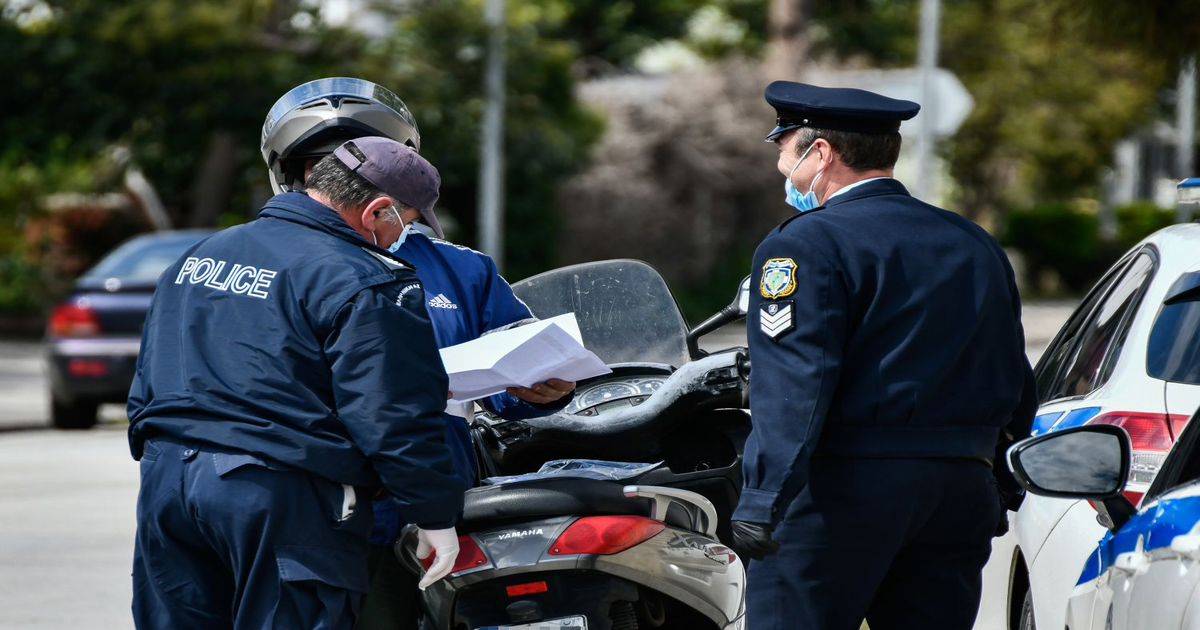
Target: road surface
[{"x": 67, "y": 497}]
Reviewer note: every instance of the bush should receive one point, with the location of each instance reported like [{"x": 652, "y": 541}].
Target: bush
[
  {"x": 1066, "y": 239},
  {"x": 1138, "y": 220},
  {"x": 1059, "y": 238},
  {"x": 22, "y": 289}
]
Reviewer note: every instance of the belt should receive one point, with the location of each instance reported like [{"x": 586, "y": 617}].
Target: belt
[{"x": 952, "y": 442}]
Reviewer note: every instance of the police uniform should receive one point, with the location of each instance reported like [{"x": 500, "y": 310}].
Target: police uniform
[
  {"x": 888, "y": 364},
  {"x": 286, "y": 366}
]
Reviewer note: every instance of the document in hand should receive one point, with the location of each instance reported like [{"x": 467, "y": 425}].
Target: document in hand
[{"x": 520, "y": 357}]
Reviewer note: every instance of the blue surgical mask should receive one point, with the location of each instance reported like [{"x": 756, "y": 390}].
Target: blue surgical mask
[
  {"x": 403, "y": 233},
  {"x": 801, "y": 202}
]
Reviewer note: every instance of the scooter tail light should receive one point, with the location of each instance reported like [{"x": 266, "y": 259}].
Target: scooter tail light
[
  {"x": 73, "y": 319},
  {"x": 469, "y": 556},
  {"x": 604, "y": 535}
]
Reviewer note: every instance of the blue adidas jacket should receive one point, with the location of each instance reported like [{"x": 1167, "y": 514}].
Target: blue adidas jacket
[
  {"x": 292, "y": 339},
  {"x": 466, "y": 298}
]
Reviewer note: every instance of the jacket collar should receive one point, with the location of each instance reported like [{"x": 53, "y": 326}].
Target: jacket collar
[
  {"x": 876, "y": 188},
  {"x": 299, "y": 208}
]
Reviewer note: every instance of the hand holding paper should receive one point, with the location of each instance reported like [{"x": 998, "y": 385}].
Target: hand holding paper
[
  {"x": 545, "y": 392},
  {"x": 520, "y": 357}
]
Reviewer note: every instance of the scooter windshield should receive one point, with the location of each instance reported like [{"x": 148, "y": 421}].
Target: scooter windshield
[{"x": 626, "y": 312}]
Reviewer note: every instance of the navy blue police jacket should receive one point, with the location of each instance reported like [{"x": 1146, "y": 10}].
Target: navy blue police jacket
[
  {"x": 292, "y": 339},
  {"x": 879, "y": 327}
]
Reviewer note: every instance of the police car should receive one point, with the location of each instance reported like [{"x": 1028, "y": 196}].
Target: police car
[
  {"x": 1127, "y": 357},
  {"x": 1144, "y": 571}
]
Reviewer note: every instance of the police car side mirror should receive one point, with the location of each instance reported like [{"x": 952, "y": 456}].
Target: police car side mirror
[
  {"x": 1089, "y": 462},
  {"x": 742, "y": 303}
]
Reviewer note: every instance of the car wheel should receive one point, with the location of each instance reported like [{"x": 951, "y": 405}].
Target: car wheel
[
  {"x": 1027, "y": 622},
  {"x": 80, "y": 414}
]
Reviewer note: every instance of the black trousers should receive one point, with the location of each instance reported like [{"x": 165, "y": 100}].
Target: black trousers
[
  {"x": 899, "y": 542},
  {"x": 392, "y": 603}
]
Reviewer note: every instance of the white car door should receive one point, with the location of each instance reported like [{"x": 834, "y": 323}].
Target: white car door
[{"x": 1146, "y": 574}]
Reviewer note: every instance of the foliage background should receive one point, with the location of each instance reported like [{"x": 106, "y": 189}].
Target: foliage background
[{"x": 667, "y": 164}]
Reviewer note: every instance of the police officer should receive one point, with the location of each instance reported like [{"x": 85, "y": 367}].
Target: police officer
[
  {"x": 888, "y": 364},
  {"x": 287, "y": 365},
  {"x": 465, "y": 295}
]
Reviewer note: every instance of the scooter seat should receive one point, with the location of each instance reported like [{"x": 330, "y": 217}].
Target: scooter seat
[{"x": 547, "y": 498}]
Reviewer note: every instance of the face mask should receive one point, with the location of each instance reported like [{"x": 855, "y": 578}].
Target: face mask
[
  {"x": 400, "y": 239},
  {"x": 808, "y": 200},
  {"x": 403, "y": 232}
]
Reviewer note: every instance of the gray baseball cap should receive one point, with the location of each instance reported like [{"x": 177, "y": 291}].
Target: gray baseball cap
[{"x": 397, "y": 170}]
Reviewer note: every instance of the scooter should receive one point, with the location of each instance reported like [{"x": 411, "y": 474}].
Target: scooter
[{"x": 573, "y": 553}]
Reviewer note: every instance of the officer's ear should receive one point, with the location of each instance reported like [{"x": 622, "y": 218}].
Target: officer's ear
[
  {"x": 824, "y": 151},
  {"x": 373, "y": 212}
]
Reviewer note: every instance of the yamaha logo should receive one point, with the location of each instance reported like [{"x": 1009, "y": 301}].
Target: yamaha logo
[{"x": 520, "y": 534}]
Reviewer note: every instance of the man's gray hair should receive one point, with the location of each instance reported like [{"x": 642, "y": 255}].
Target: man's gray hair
[
  {"x": 343, "y": 187},
  {"x": 858, "y": 151}
]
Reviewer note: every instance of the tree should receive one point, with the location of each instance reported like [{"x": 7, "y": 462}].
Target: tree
[
  {"x": 1163, "y": 30},
  {"x": 1050, "y": 105},
  {"x": 184, "y": 85},
  {"x": 1051, "y": 100}
]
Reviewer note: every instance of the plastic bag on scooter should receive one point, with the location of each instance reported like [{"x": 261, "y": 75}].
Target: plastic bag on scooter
[{"x": 586, "y": 468}]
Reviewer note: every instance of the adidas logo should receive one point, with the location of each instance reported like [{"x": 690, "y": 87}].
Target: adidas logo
[{"x": 441, "y": 301}]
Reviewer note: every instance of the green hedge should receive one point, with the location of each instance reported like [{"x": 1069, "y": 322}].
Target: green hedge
[{"x": 1066, "y": 239}]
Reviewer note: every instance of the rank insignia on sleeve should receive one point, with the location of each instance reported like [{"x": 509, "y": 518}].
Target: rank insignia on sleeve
[
  {"x": 777, "y": 319},
  {"x": 778, "y": 278}
]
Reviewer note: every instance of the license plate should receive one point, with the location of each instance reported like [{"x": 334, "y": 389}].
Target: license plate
[{"x": 578, "y": 622}]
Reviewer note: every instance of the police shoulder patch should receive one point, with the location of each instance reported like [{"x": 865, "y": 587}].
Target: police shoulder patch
[
  {"x": 776, "y": 319},
  {"x": 778, "y": 278}
]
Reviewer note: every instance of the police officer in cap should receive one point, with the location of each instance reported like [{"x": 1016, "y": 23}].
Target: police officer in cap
[{"x": 889, "y": 369}]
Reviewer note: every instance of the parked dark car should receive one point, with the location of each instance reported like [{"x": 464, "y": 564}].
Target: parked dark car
[{"x": 92, "y": 337}]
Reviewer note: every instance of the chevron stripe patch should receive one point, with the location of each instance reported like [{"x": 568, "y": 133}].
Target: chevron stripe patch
[{"x": 776, "y": 319}]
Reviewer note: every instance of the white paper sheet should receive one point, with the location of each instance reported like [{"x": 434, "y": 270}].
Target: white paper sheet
[{"x": 520, "y": 357}]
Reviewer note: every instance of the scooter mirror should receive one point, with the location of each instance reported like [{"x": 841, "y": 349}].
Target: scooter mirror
[{"x": 742, "y": 303}]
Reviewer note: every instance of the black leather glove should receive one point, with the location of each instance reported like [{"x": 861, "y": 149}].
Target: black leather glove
[
  {"x": 1008, "y": 501},
  {"x": 1002, "y": 524},
  {"x": 753, "y": 540}
]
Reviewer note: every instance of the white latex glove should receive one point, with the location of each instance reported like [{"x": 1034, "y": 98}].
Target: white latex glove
[{"x": 444, "y": 543}]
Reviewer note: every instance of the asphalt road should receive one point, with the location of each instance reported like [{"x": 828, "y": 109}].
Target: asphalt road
[
  {"x": 67, "y": 521},
  {"x": 67, "y": 497}
]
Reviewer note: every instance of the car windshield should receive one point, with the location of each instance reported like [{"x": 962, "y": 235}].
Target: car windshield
[
  {"x": 625, "y": 310},
  {"x": 145, "y": 257},
  {"x": 1174, "y": 350}
]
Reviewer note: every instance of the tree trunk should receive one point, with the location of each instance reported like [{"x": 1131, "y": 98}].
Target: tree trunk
[
  {"x": 787, "y": 39},
  {"x": 215, "y": 178}
]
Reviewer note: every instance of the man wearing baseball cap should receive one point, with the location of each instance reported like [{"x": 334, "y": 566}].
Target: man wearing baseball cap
[{"x": 288, "y": 369}]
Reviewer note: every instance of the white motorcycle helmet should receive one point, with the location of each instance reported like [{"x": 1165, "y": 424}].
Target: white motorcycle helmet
[{"x": 313, "y": 119}]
